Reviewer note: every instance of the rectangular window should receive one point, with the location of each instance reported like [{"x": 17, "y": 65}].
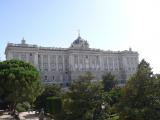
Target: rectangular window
[
  {"x": 45, "y": 66},
  {"x": 45, "y": 78}
]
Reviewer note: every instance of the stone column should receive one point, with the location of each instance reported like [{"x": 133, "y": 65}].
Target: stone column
[
  {"x": 72, "y": 62},
  {"x": 56, "y": 62},
  {"x": 9, "y": 55},
  {"x": 107, "y": 63},
  {"x": 113, "y": 63},
  {"x": 117, "y": 63},
  {"x": 49, "y": 67},
  {"x": 27, "y": 57},
  {"x": 36, "y": 59},
  {"x": 63, "y": 65},
  {"x": 101, "y": 62},
  {"x": 42, "y": 62}
]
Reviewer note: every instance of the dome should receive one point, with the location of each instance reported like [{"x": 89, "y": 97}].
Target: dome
[
  {"x": 80, "y": 43},
  {"x": 78, "y": 40}
]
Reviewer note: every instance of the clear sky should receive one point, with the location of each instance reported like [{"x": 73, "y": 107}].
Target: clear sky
[{"x": 106, "y": 24}]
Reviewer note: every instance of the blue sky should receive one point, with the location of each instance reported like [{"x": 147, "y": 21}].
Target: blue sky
[{"x": 106, "y": 24}]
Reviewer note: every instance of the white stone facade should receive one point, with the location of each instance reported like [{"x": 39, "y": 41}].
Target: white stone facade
[{"x": 62, "y": 65}]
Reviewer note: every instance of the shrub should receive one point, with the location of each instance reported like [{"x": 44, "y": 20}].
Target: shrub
[
  {"x": 22, "y": 107},
  {"x": 53, "y": 105}
]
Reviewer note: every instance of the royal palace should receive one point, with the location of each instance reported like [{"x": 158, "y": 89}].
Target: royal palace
[{"x": 63, "y": 65}]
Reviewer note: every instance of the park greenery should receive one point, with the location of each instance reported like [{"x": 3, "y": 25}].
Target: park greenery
[
  {"x": 19, "y": 84},
  {"x": 85, "y": 99},
  {"x": 141, "y": 95}
]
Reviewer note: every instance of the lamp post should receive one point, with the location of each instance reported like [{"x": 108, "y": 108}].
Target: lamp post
[
  {"x": 103, "y": 111},
  {"x": 103, "y": 106},
  {"x": 98, "y": 111}
]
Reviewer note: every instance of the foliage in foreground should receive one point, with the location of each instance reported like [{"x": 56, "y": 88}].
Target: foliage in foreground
[
  {"x": 22, "y": 107},
  {"x": 19, "y": 82},
  {"x": 53, "y": 105},
  {"x": 49, "y": 91},
  {"x": 84, "y": 101},
  {"x": 109, "y": 82},
  {"x": 141, "y": 96},
  {"x": 138, "y": 100}
]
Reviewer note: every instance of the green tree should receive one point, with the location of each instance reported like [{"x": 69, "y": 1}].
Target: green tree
[
  {"x": 19, "y": 82},
  {"x": 115, "y": 95},
  {"x": 84, "y": 100},
  {"x": 141, "y": 95},
  {"x": 113, "y": 91},
  {"x": 51, "y": 90},
  {"x": 54, "y": 106},
  {"x": 109, "y": 81},
  {"x": 88, "y": 76}
]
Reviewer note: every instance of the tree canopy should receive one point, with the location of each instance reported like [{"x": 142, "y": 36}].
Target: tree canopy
[
  {"x": 49, "y": 91},
  {"x": 141, "y": 95},
  {"x": 19, "y": 82},
  {"x": 84, "y": 100},
  {"x": 109, "y": 81}
]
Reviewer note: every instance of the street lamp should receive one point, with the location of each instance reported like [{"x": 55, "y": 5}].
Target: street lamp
[{"x": 103, "y": 106}]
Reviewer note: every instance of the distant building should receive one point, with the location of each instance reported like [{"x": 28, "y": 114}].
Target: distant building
[{"x": 62, "y": 65}]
